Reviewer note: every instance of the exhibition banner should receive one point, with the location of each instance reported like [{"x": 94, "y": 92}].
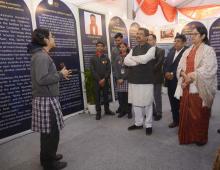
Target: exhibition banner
[
  {"x": 132, "y": 34},
  {"x": 166, "y": 47},
  {"x": 15, "y": 80},
  {"x": 214, "y": 39},
  {"x": 59, "y": 19},
  {"x": 117, "y": 25},
  {"x": 93, "y": 29}
]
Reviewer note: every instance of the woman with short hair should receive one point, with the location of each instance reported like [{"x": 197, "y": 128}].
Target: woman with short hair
[{"x": 47, "y": 116}]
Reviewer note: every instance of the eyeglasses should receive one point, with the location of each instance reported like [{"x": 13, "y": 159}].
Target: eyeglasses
[
  {"x": 194, "y": 34},
  {"x": 138, "y": 33}
]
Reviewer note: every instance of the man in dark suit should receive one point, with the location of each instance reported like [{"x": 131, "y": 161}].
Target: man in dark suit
[
  {"x": 158, "y": 77},
  {"x": 115, "y": 54},
  {"x": 170, "y": 67}
]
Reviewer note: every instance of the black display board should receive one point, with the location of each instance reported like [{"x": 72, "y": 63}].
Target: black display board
[
  {"x": 117, "y": 25},
  {"x": 132, "y": 34},
  {"x": 59, "y": 19},
  {"x": 214, "y": 38},
  {"x": 166, "y": 47},
  {"x": 15, "y": 80},
  {"x": 93, "y": 29},
  {"x": 91, "y": 35}
]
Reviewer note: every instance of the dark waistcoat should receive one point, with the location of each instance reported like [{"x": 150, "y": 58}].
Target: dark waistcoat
[{"x": 142, "y": 73}]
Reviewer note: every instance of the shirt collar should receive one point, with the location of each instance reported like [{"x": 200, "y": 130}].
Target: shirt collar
[{"x": 179, "y": 50}]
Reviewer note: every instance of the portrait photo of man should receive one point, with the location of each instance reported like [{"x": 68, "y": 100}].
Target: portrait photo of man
[{"x": 93, "y": 24}]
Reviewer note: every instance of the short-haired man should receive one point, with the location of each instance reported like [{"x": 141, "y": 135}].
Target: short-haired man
[
  {"x": 170, "y": 67},
  {"x": 158, "y": 77},
  {"x": 115, "y": 50},
  {"x": 141, "y": 79},
  {"x": 118, "y": 38},
  {"x": 101, "y": 70}
]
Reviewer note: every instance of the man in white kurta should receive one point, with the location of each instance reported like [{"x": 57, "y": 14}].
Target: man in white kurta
[{"x": 141, "y": 79}]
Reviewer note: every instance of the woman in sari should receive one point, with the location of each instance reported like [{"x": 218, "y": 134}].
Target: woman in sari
[{"x": 196, "y": 88}]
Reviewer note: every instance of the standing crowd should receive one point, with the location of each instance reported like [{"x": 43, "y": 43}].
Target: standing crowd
[{"x": 189, "y": 73}]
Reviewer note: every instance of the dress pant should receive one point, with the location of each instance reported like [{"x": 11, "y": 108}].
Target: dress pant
[
  {"x": 157, "y": 105},
  {"x": 140, "y": 111},
  {"x": 174, "y": 103},
  {"x": 49, "y": 142},
  {"x": 116, "y": 95},
  {"x": 104, "y": 92},
  {"x": 123, "y": 102}
]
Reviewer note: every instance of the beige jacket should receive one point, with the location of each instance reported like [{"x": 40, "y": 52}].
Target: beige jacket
[{"x": 205, "y": 74}]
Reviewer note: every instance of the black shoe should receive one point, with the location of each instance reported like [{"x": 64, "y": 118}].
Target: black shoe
[
  {"x": 148, "y": 131},
  {"x": 57, "y": 158},
  {"x": 109, "y": 112},
  {"x": 173, "y": 125},
  {"x": 218, "y": 130},
  {"x": 121, "y": 114},
  {"x": 200, "y": 143},
  {"x": 118, "y": 110},
  {"x": 157, "y": 117},
  {"x": 98, "y": 116},
  {"x": 134, "y": 127},
  {"x": 56, "y": 166},
  {"x": 129, "y": 115}
]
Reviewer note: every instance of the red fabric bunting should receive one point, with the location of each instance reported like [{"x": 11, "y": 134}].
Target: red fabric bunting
[
  {"x": 169, "y": 12},
  {"x": 149, "y": 7},
  {"x": 200, "y": 12}
]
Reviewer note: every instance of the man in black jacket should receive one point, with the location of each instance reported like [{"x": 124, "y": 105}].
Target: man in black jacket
[
  {"x": 115, "y": 53},
  {"x": 158, "y": 77},
  {"x": 101, "y": 70},
  {"x": 170, "y": 67}
]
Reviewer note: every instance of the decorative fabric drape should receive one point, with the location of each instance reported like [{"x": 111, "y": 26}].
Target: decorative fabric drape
[
  {"x": 200, "y": 12},
  {"x": 149, "y": 7},
  {"x": 169, "y": 12}
]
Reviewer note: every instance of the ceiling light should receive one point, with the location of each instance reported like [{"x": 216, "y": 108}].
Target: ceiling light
[{"x": 50, "y": 2}]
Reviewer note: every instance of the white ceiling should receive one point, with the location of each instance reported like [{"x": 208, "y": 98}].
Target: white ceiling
[
  {"x": 84, "y": 2},
  {"x": 190, "y": 3},
  {"x": 178, "y": 3}
]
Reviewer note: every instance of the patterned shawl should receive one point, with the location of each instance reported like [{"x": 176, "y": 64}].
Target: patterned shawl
[{"x": 205, "y": 73}]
